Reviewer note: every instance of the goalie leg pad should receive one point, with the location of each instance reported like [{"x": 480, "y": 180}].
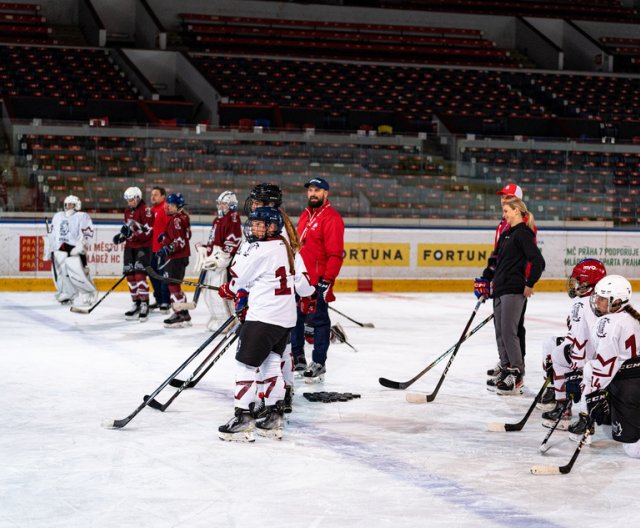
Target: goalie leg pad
[
  {"x": 219, "y": 309},
  {"x": 79, "y": 276},
  {"x": 66, "y": 289}
]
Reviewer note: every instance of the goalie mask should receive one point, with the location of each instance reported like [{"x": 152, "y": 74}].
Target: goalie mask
[
  {"x": 585, "y": 275},
  {"x": 610, "y": 295},
  {"x": 263, "y": 223},
  {"x": 132, "y": 193},
  {"x": 226, "y": 202},
  {"x": 72, "y": 204},
  {"x": 265, "y": 194}
]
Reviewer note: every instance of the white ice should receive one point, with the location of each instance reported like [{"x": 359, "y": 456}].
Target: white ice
[{"x": 373, "y": 462}]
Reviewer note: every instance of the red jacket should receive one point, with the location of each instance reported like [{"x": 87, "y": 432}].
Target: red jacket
[
  {"x": 321, "y": 234},
  {"x": 140, "y": 220},
  {"x": 178, "y": 233},
  {"x": 161, "y": 219}
]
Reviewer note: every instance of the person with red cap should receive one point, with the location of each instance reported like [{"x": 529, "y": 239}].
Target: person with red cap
[{"x": 510, "y": 190}]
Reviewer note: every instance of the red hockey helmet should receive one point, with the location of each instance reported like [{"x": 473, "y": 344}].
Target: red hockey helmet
[{"x": 585, "y": 275}]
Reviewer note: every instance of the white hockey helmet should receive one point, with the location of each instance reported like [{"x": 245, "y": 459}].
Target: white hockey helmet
[
  {"x": 227, "y": 201},
  {"x": 72, "y": 204},
  {"x": 617, "y": 292},
  {"x": 132, "y": 193}
]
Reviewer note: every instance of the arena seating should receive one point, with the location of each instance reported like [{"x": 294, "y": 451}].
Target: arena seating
[{"x": 23, "y": 24}]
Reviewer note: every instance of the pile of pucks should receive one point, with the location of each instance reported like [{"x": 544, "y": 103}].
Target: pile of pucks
[{"x": 330, "y": 397}]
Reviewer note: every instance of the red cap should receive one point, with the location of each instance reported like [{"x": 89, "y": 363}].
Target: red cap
[{"x": 511, "y": 189}]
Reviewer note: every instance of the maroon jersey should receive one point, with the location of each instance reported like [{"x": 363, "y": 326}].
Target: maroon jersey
[
  {"x": 226, "y": 232},
  {"x": 178, "y": 233},
  {"x": 140, "y": 220}
]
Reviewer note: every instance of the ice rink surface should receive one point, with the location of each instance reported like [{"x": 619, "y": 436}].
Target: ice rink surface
[{"x": 377, "y": 461}]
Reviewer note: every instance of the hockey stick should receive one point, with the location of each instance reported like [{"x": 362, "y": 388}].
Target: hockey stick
[
  {"x": 364, "y": 325},
  {"x": 192, "y": 381},
  {"x": 390, "y": 384},
  {"x": 543, "y": 446},
  {"x": 192, "y": 305},
  {"x": 53, "y": 264},
  {"x": 540, "y": 469},
  {"x": 413, "y": 397},
  {"x": 501, "y": 427},
  {"x": 118, "y": 424},
  {"x": 83, "y": 310},
  {"x": 152, "y": 273}
]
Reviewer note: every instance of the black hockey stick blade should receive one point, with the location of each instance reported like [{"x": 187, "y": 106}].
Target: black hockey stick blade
[
  {"x": 540, "y": 469},
  {"x": 544, "y": 447},
  {"x": 497, "y": 427},
  {"x": 363, "y": 325},
  {"x": 401, "y": 385},
  {"x": 175, "y": 382}
]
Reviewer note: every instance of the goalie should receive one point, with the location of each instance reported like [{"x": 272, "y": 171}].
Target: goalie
[
  {"x": 66, "y": 245},
  {"x": 215, "y": 257}
]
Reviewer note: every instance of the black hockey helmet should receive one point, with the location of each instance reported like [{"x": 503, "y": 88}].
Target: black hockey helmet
[{"x": 269, "y": 194}]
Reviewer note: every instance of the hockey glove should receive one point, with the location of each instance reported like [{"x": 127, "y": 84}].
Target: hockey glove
[
  {"x": 119, "y": 238},
  {"x": 308, "y": 305},
  {"x": 126, "y": 231},
  {"x": 242, "y": 302},
  {"x": 481, "y": 288},
  {"x": 225, "y": 292},
  {"x": 161, "y": 237},
  {"x": 323, "y": 286},
  {"x": 598, "y": 406},
  {"x": 164, "y": 253},
  {"x": 201, "y": 252},
  {"x": 572, "y": 385}
]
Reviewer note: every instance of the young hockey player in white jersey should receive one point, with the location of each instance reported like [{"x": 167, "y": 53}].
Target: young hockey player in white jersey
[
  {"x": 70, "y": 236},
  {"x": 570, "y": 352},
  {"x": 263, "y": 272},
  {"x": 215, "y": 257},
  {"x": 611, "y": 384}
]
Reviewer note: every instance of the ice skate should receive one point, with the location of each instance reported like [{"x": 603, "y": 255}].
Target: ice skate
[
  {"x": 179, "y": 319},
  {"x": 143, "y": 314},
  {"x": 132, "y": 313},
  {"x": 299, "y": 366},
  {"x": 495, "y": 371},
  {"x": 239, "y": 429},
  {"x": 512, "y": 384},
  {"x": 164, "y": 308},
  {"x": 548, "y": 400},
  {"x": 493, "y": 381},
  {"x": 288, "y": 399},
  {"x": 314, "y": 373},
  {"x": 272, "y": 425},
  {"x": 550, "y": 417},
  {"x": 578, "y": 428}
]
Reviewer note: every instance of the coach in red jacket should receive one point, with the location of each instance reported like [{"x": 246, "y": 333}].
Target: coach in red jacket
[{"x": 321, "y": 232}]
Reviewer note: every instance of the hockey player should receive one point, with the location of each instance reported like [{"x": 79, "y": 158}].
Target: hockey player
[
  {"x": 263, "y": 271},
  {"x": 136, "y": 232},
  {"x": 66, "y": 245},
  {"x": 566, "y": 353},
  {"x": 160, "y": 221},
  {"x": 215, "y": 257},
  {"x": 611, "y": 384},
  {"x": 321, "y": 231},
  {"x": 173, "y": 257}
]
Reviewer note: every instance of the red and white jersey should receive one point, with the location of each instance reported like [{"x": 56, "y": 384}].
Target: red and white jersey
[
  {"x": 178, "y": 233},
  {"x": 615, "y": 337},
  {"x": 72, "y": 230},
  {"x": 140, "y": 219},
  {"x": 226, "y": 233},
  {"x": 262, "y": 269},
  {"x": 581, "y": 323}
]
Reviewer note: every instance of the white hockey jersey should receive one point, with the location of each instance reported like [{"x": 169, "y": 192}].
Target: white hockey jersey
[
  {"x": 73, "y": 230},
  {"x": 615, "y": 338},
  {"x": 581, "y": 322},
  {"x": 262, "y": 268}
]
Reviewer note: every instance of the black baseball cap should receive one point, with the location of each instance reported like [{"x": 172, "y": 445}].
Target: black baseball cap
[{"x": 321, "y": 183}]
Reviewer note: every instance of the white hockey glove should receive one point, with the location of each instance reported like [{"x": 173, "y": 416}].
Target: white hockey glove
[
  {"x": 200, "y": 258},
  {"x": 217, "y": 260},
  {"x": 79, "y": 249},
  {"x": 46, "y": 249}
]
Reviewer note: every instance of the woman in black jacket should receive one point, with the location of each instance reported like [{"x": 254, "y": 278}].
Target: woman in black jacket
[{"x": 513, "y": 282}]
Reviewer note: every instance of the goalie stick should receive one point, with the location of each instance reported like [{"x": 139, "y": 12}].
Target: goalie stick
[
  {"x": 152, "y": 273},
  {"x": 390, "y": 384},
  {"x": 501, "y": 427},
  {"x": 192, "y": 305},
  {"x": 119, "y": 424},
  {"x": 543, "y": 446},
  {"x": 540, "y": 469},
  {"x": 85, "y": 310},
  {"x": 49, "y": 228},
  {"x": 192, "y": 381},
  {"x": 364, "y": 325},
  {"x": 413, "y": 397}
]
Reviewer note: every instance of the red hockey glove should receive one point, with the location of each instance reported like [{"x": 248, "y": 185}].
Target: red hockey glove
[
  {"x": 225, "y": 292},
  {"x": 242, "y": 301},
  {"x": 308, "y": 304},
  {"x": 481, "y": 288}
]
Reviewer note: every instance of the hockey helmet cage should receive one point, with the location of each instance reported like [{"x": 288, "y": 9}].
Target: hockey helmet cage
[
  {"x": 227, "y": 201},
  {"x": 132, "y": 193},
  {"x": 585, "y": 275},
  {"x": 270, "y": 216},
  {"x": 615, "y": 289}
]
